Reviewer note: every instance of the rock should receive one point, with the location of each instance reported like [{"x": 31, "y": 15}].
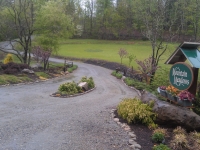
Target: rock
[
  {"x": 132, "y": 147},
  {"x": 116, "y": 119},
  {"x": 132, "y": 135},
  {"x": 172, "y": 114},
  {"x": 131, "y": 142},
  {"x": 83, "y": 85},
  {"x": 137, "y": 146},
  {"x": 127, "y": 128},
  {"x": 37, "y": 65},
  {"x": 28, "y": 71}
]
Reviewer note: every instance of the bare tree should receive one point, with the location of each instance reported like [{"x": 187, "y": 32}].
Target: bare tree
[
  {"x": 151, "y": 14},
  {"x": 18, "y": 22}
]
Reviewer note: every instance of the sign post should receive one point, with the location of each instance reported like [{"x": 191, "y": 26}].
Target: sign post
[{"x": 181, "y": 76}]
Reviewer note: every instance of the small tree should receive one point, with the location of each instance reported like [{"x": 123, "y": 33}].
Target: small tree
[
  {"x": 122, "y": 53},
  {"x": 130, "y": 58},
  {"x": 146, "y": 67},
  {"x": 40, "y": 54}
]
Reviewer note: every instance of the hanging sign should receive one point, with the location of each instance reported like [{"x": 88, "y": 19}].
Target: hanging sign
[{"x": 181, "y": 76}]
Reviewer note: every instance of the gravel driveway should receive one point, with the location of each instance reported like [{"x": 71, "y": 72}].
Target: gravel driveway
[{"x": 32, "y": 120}]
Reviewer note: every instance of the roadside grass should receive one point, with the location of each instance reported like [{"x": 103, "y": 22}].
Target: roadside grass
[
  {"x": 42, "y": 74},
  {"x": 6, "y": 79},
  {"x": 108, "y": 50},
  {"x": 70, "y": 70}
]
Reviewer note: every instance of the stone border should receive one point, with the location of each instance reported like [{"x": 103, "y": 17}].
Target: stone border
[
  {"x": 74, "y": 94},
  {"x": 132, "y": 137}
]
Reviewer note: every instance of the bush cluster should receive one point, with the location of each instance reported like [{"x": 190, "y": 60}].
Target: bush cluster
[
  {"x": 12, "y": 68},
  {"x": 138, "y": 85},
  {"x": 89, "y": 81},
  {"x": 161, "y": 147},
  {"x": 8, "y": 59},
  {"x": 70, "y": 70},
  {"x": 134, "y": 110},
  {"x": 71, "y": 88},
  {"x": 118, "y": 75}
]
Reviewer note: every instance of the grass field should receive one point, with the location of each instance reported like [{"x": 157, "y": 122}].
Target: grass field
[{"x": 108, "y": 50}]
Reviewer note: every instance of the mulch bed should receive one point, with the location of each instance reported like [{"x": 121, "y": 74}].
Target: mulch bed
[{"x": 143, "y": 133}]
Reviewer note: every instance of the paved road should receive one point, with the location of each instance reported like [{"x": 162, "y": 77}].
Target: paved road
[{"x": 32, "y": 120}]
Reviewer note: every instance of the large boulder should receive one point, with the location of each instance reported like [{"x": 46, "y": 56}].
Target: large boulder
[
  {"x": 83, "y": 85},
  {"x": 172, "y": 115}
]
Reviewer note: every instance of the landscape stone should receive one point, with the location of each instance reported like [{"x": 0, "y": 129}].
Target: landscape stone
[
  {"x": 132, "y": 135},
  {"x": 28, "y": 71},
  {"x": 137, "y": 146},
  {"x": 132, "y": 147},
  {"x": 116, "y": 119},
  {"x": 83, "y": 85},
  {"x": 172, "y": 114},
  {"x": 131, "y": 142}
]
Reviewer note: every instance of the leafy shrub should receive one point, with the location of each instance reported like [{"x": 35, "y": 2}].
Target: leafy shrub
[
  {"x": 133, "y": 110},
  {"x": 194, "y": 140},
  {"x": 117, "y": 74},
  {"x": 160, "y": 130},
  {"x": 137, "y": 84},
  {"x": 89, "y": 81},
  {"x": 179, "y": 142},
  {"x": 8, "y": 58},
  {"x": 160, "y": 78},
  {"x": 179, "y": 130},
  {"x": 68, "y": 88},
  {"x": 71, "y": 88},
  {"x": 70, "y": 70},
  {"x": 161, "y": 147},
  {"x": 158, "y": 137}
]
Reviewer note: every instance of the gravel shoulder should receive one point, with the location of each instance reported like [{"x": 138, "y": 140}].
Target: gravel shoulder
[{"x": 31, "y": 119}]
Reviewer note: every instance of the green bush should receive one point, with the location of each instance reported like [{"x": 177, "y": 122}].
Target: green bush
[
  {"x": 133, "y": 110},
  {"x": 161, "y": 147},
  {"x": 71, "y": 88},
  {"x": 137, "y": 84},
  {"x": 68, "y": 88},
  {"x": 161, "y": 78},
  {"x": 89, "y": 80},
  {"x": 157, "y": 137},
  {"x": 117, "y": 74},
  {"x": 70, "y": 70}
]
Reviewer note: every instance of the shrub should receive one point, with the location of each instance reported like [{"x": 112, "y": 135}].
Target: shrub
[
  {"x": 8, "y": 58},
  {"x": 179, "y": 142},
  {"x": 157, "y": 137},
  {"x": 70, "y": 70},
  {"x": 89, "y": 81},
  {"x": 118, "y": 75},
  {"x": 160, "y": 78},
  {"x": 161, "y": 130},
  {"x": 138, "y": 85},
  {"x": 179, "y": 130},
  {"x": 161, "y": 147},
  {"x": 133, "y": 110},
  {"x": 194, "y": 140},
  {"x": 68, "y": 88}
]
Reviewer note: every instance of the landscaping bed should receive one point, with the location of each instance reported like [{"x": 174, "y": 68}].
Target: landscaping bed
[{"x": 13, "y": 74}]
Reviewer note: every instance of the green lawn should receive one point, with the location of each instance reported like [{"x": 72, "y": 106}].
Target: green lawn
[{"x": 108, "y": 50}]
